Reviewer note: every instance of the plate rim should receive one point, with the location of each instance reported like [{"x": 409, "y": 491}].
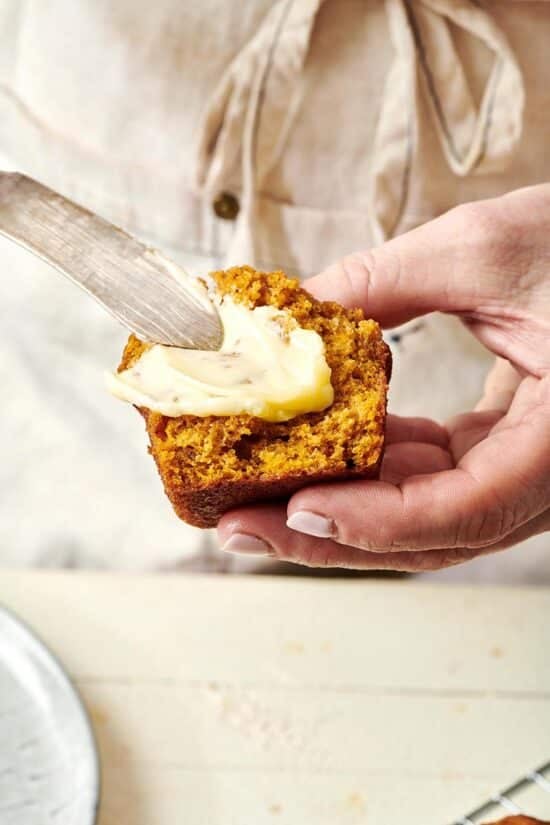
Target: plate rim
[{"x": 55, "y": 663}]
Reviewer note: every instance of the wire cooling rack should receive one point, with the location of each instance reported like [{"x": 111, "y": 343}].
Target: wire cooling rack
[{"x": 509, "y": 800}]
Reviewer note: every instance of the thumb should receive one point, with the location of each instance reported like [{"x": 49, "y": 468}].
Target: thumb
[{"x": 449, "y": 264}]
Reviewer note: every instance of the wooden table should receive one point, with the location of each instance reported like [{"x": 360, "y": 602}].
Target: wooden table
[{"x": 245, "y": 701}]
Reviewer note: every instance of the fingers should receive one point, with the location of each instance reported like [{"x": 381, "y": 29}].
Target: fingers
[
  {"x": 446, "y": 264},
  {"x": 500, "y": 386},
  {"x": 399, "y": 428},
  {"x": 498, "y": 493},
  {"x": 383, "y": 517},
  {"x": 284, "y": 544},
  {"x": 468, "y": 429},
  {"x": 269, "y": 524},
  {"x": 486, "y": 262},
  {"x": 279, "y": 541},
  {"x": 537, "y": 525},
  {"x": 499, "y": 484},
  {"x": 413, "y": 458}
]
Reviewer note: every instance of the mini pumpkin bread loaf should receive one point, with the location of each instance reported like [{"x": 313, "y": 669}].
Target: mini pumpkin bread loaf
[
  {"x": 520, "y": 820},
  {"x": 212, "y": 463}
]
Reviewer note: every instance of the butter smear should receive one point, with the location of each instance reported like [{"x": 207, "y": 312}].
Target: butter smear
[{"x": 267, "y": 366}]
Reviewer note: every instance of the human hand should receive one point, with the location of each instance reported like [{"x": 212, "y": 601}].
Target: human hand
[{"x": 482, "y": 482}]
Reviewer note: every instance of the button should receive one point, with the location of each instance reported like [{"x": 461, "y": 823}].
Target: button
[{"x": 226, "y": 206}]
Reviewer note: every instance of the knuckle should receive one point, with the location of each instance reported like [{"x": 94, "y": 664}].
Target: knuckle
[
  {"x": 307, "y": 557},
  {"x": 332, "y": 555},
  {"x": 475, "y": 224},
  {"x": 439, "y": 559},
  {"x": 422, "y": 561},
  {"x": 319, "y": 553},
  {"x": 379, "y": 538},
  {"x": 363, "y": 271},
  {"x": 311, "y": 552},
  {"x": 430, "y": 560},
  {"x": 357, "y": 270},
  {"x": 483, "y": 229},
  {"x": 488, "y": 527},
  {"x": 491, "y": 512},
  {"x": 480, "y": 530}
]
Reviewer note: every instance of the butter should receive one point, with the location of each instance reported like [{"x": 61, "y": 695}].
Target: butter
[{"x": 268, "y": 367}]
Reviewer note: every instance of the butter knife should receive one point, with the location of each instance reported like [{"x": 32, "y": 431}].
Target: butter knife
[{"x": 145, "y": 291}]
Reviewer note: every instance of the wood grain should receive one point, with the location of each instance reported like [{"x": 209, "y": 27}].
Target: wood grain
[{"x": 274, "y": 700}]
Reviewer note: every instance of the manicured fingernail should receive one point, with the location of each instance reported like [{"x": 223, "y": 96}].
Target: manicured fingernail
[
  {"x": 312, "y": 524},
  {"x": 246, "y": 545}
]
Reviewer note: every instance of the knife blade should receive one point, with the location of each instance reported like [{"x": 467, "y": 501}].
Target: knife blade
[{"x": 151, "y": 295}]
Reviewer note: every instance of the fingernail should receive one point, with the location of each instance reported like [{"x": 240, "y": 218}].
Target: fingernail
[
  {"x": 245, "y": 545},
  {"x": 312, "y": 524}
]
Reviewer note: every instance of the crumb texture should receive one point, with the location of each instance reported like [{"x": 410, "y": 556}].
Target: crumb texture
[{"x": 209, "y": 465}]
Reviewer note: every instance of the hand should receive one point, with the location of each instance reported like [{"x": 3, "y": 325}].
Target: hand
[{"x": 482, "y": 482}]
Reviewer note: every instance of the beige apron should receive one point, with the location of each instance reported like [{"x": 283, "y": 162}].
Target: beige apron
[{"x": 253, "y": 109}]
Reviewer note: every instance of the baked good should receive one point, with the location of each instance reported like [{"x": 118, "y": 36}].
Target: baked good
[
  {"x": 211, "y": 464},
  {"x": 519, "y": 820}
]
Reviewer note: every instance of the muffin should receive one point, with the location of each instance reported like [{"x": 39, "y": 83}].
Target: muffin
[
  {"x": 212, "y": 463},
  {"x": 520, "y": 820}
]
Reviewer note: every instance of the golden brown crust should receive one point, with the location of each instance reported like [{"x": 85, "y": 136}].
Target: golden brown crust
[
  {"x": 204, "y": 508},
  {"x": 519, "y": 820},
  {"x": 213, "y": 464}
]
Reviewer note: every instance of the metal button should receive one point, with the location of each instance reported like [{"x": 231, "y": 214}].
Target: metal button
[{"x": 226, "y": 206}]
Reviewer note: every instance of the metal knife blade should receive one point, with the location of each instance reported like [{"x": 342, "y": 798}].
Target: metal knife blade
[{"x": 145, "y": 291}]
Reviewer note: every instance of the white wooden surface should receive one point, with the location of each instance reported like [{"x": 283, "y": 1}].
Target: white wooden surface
[{"x": 255, "y": 700}]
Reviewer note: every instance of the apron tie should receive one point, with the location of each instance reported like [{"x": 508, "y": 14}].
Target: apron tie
[{"x": 473, "y": 141}]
